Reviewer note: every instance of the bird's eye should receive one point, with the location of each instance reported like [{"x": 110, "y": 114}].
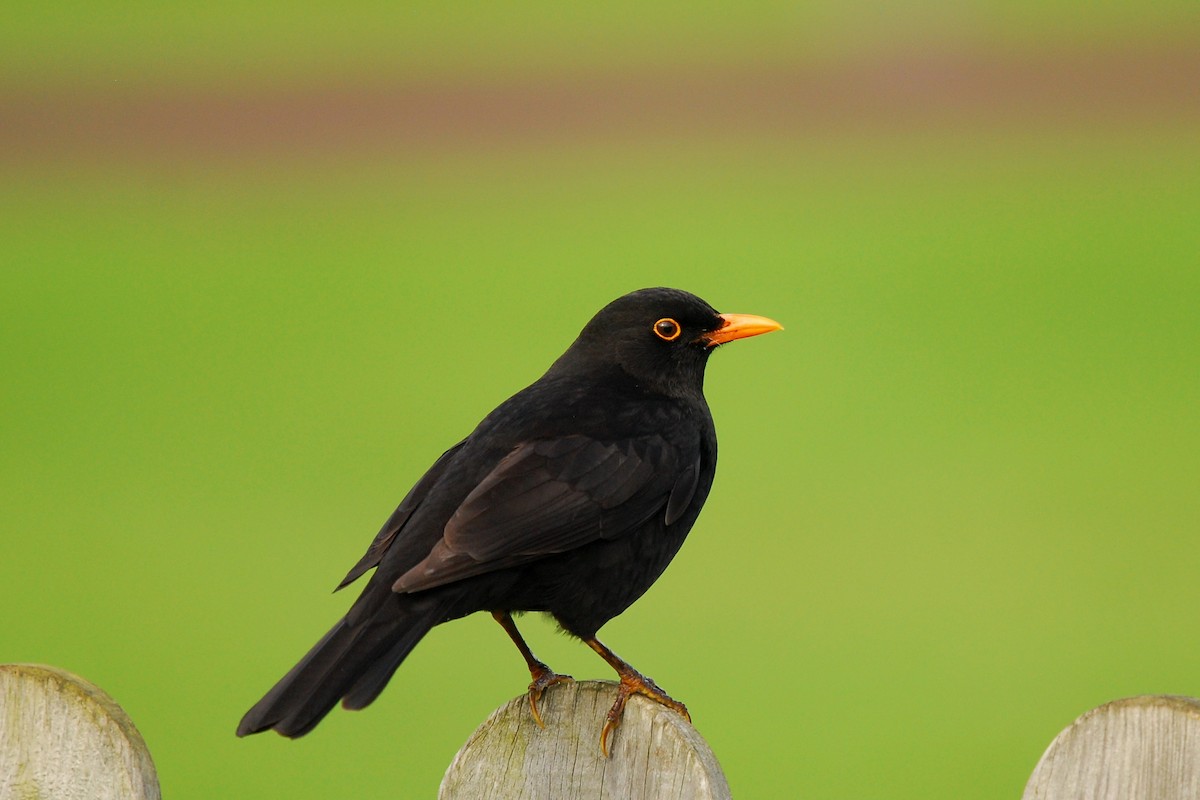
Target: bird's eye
[{"x": 667, "y": 329}]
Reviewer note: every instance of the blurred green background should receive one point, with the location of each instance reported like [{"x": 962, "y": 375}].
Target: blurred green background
[{"x": 260, "y": 266}]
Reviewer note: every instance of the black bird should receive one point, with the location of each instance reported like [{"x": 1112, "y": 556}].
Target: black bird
[{"x": 570, "y": 498}]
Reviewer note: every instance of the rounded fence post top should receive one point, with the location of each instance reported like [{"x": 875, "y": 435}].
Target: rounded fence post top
[
  {"x": 63, "y": 737},
  {"x": 1146, "y": 747},
  {"x": 655, "y": 753}
]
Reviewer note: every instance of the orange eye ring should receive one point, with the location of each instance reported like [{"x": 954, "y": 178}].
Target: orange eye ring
[{"x": 667, "y": 329}]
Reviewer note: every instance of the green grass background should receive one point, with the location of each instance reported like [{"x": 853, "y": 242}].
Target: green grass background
[{"x": 957, "y": 503}]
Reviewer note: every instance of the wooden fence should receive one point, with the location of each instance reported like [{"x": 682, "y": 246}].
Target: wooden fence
[{"x": 61, "y": 737}]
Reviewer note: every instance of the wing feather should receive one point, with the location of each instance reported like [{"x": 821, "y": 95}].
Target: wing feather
[
  {"x": 383, "y": 539},
  {"x": 550, "y": 496}
]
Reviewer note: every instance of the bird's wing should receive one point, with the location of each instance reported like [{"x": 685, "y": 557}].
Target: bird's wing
[
  {"x": 553, "y": 495},
  {"x": 396, "y": 521}
]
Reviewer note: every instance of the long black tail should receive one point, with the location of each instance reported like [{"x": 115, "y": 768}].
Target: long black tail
[{"x": 351, "y": 663}]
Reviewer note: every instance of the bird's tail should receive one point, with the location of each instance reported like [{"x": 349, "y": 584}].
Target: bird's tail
[{"x": 351, "y": 663}]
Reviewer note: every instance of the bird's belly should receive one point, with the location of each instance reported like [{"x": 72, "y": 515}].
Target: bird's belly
[{"x": 585, "y": 588}]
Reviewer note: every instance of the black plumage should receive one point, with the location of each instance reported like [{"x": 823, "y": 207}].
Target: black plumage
[{"x": 570, "y": 498}]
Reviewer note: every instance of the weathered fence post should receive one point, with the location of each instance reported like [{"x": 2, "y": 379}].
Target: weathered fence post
[
  {"x": 655, "y": 753},
  {"x": 62, "y": 737},
  {"x": 1146, "y": 748}
]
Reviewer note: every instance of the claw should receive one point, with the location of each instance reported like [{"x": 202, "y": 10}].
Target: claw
[
  {"x": 609, "y": 727},
  {"x": 633, "y": 682},
  {"x": 543, "y": 676},
  {"x": 543, "y": 679}
]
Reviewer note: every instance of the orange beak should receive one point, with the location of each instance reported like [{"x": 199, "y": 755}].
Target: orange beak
[{"x": 739, "y": 326}]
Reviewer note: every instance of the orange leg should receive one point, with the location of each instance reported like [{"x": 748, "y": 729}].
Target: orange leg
[
  {"x": 632, "y": 682},
  {"x": 543, "y": 676}
]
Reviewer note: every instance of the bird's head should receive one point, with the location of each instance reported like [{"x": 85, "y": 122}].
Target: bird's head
[{"x": 661, "y": 338}]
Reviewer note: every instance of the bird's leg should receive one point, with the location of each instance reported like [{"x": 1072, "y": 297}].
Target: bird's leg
[
  {"x": 543, "y": 676},
  {"x": 632, "y": 682}
]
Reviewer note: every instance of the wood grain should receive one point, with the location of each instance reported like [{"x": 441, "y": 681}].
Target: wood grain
[
  {"x": 1141, "y": 747},
  {"x": 656, "y": 753},
  {"x": 63, "y": 738}
]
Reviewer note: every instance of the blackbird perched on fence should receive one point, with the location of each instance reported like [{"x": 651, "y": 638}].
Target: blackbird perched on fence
[{"x": 569, "y": 498}]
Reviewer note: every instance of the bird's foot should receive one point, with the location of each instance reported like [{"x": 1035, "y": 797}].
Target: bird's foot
[
  {"x": 543, "y": 679},
  {"x": 633, "y": 682}
]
